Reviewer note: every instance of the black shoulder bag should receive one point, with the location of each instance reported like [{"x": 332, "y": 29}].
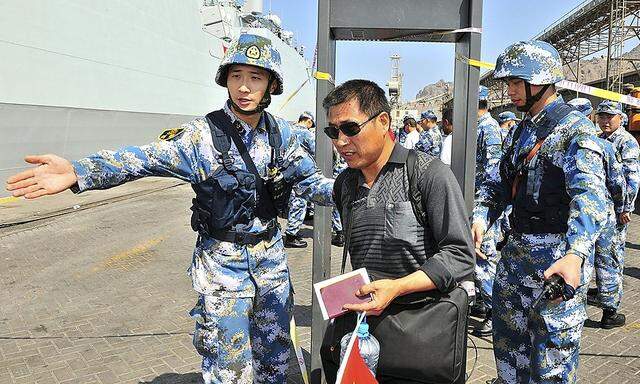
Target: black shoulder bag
[{"x": 423, "y": 336}]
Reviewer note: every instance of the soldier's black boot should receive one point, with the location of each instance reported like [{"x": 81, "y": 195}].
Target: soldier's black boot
[
  {"x": 485, "y": 328},
  {"x": 293, "y": 241},
  {"x": 612, "y": 319},
  {"x": 337, "y": 239},
  {"x": 480, "y": 308}
]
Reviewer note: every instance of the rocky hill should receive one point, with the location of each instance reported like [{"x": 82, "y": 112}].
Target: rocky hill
[{"x": 432, "y": 96}]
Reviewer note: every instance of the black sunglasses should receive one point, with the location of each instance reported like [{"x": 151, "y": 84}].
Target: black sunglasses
[{"x": 350, "y": 128}]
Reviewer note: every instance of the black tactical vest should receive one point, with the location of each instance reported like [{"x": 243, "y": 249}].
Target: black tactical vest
[
  {"x": 232, "y": 198},
  {"x": 541, "y": 202}
]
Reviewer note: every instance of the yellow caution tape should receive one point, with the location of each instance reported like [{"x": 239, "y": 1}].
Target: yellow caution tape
[
  {"x": 298, "y": 350},
  {"x": 323, "y": 76},
  {"x": 480, "y": 64},
  {"x": 9, "y": 199},
  {"x": 571, "y": 85}
]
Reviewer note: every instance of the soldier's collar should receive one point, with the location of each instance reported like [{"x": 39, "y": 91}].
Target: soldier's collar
[
  {"x": 242, "y": 126},
  {"x": 538, "y": 117},
  {"x": 615, "y": 133}
]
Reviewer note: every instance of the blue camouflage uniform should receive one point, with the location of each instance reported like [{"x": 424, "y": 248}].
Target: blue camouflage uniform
[
  {"x": 297, "y": 205},
  {"x": 503, "y": 117},
  {"x": 488, "y": 155},
  {"x": 402, "y": 136},
  {"x": 430, "y": 140},
  {"x": 610, "y": 257},
  {"x": 608, "y": 262},
  {"x": 245, "y": 301},
  {"x": 541, "y": 345}
]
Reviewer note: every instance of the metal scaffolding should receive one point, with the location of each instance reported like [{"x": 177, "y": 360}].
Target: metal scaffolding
[{"x": 591, "y": 27}]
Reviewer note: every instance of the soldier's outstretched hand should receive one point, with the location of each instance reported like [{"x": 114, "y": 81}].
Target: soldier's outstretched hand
[{"x": 53, "y": 174}]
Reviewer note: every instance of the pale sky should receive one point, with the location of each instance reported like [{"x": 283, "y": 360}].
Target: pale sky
[{"x": 504, "y": 22}]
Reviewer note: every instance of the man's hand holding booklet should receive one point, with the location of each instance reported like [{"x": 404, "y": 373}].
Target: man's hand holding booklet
[{"x": 337, "y": 291}]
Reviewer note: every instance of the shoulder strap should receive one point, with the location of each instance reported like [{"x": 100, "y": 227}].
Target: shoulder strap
[
  {"x": 415, "y": 195},
  {"x": 222, "y": 122},
  {"x": 275, "y": 138},
  {"x": 545, "y": 127},
  {"x": 551, "y": 120},
  {"x": 221, "y": 141}
]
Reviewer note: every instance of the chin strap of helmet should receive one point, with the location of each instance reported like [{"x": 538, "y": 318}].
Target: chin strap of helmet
[
  {"x": 262, "y": 105},
  {"x": 531, "y": 100}
]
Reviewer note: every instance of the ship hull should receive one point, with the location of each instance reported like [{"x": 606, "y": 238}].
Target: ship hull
[{"x": 78, "y": 76}]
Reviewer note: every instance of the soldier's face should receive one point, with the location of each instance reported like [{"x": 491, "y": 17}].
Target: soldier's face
[
  {"x": 363, "y": 149},
  {"x": 247, "y": 84},
  {"x": 608, "y": 123},
  {"x": 517, "y": 92}
]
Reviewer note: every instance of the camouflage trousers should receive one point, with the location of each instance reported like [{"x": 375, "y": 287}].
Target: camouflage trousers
[
  {"x": 485, "y": 270},
  {"x": 542, "y": 344},
  {"x": 297, "y": 212},
  {"x": 244, "y": 339},
  {"x": 609, "y": 264},
  {"x": 336, "y": 224}
]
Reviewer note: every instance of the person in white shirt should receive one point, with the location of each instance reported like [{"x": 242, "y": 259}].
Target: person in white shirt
[
  {"x": 412, "y": 135},
  {"x": 447, "y": 137}
]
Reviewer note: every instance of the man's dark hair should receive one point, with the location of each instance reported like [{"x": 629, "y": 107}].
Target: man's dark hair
[
  {"x": 483, "y": 104},
  {"x": 447, "y": 114},
  {"x": 370, "y": 96},
  {"x": 411, "y": 123},
  {"x": 303, "y": 118}
]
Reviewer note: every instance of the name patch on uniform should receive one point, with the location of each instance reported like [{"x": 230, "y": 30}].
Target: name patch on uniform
[
  {"x": 253, "y": 52},
  {"x": 171, "y": 134}
]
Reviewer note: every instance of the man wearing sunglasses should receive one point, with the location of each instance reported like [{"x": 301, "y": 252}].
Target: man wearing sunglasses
[{"x": 382, "y": 231}]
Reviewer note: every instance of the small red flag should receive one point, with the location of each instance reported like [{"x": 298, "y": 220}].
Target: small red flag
[{"x": 356, "y": 370}]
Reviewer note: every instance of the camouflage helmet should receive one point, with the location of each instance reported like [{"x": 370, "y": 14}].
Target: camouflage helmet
[
  {"x": 582, "y": 104},
  {"x": 250, "y": 49},
  {"x": 428, "y": 115},
  {"x": 536, "y": 62},
  {"x": 610, "y": 108},
  {"x": 483, "y": 93},
  {"x": 506, "y": 116}
]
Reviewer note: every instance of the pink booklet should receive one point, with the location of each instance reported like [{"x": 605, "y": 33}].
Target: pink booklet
[{"x": 337, "y": 291}]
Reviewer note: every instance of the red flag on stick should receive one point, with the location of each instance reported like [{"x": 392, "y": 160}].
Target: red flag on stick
[{"x": 356, "y": 370}]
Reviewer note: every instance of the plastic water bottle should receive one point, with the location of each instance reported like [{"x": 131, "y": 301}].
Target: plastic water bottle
[{"x": 369, "y": 346}]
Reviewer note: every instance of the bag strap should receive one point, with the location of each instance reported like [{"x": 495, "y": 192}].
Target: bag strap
[
  {"x": 347, "y": 235},
  {"x": 415, "y": 194}
]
